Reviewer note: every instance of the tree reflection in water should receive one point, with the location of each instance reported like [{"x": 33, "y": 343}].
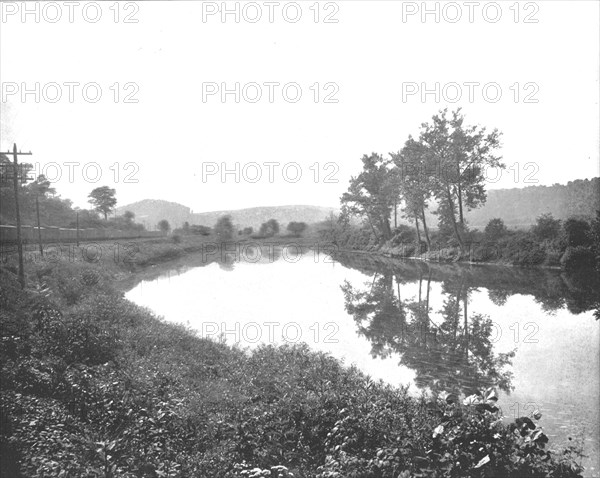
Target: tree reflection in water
[{"x": 454, "y": 355}]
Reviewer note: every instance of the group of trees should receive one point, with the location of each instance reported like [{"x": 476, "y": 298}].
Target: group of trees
[
  {"x": 445, "y": 164},
  {"x": 34, "y": 195},
  {"x": 224, "y": 229},
  {"x": 37, "y": 195},
  {"x": 194, "y": 229}
]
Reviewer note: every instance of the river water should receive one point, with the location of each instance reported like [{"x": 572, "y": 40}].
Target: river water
[{"x": 532, "y": 334}]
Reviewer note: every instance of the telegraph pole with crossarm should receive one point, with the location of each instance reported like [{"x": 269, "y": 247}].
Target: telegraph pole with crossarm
[{"x": 17, "y": 212}]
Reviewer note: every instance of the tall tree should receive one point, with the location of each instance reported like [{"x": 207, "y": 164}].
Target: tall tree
[
  {"x": 129, "y": 216},
  {"x": 164, "y": 226},
  {"x": 460, "y": 154},
  {"x": 41, "y": 186},
  {"x": 414, "y": 181},
  {"x": 224, "y": 228},
  {"x": 372, "y": 195},
  {"x": 103, "y": 199}
]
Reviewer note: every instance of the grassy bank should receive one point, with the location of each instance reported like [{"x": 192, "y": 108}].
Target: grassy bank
[{"x": 94, "y": 386}]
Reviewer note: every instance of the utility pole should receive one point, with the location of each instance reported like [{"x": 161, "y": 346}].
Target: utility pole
[
  {"x": 77, "y": 234},
  {"x": 37, "y": 210},
  {"x": 17, "y": 212}
]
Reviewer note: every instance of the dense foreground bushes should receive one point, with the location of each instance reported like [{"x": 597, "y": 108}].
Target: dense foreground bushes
[{"x": 94, "y": 386}]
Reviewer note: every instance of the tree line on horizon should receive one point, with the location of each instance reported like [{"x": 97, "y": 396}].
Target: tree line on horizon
[{"x": 225, "y": 229}]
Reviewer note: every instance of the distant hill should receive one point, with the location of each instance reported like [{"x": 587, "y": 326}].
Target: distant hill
[
  {"x": 521, "y": 206},
  {"x": 150, "y": 211},
  {"x": 255, "y": 216}
]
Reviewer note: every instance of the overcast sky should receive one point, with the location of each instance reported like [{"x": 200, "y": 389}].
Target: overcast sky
[{"x": 360, "y": 79}]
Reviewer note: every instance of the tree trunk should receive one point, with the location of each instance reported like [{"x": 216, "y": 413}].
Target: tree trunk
[
  {"x": 465, "y": 300},
  {"x": 425, "y": 228},
  {"x": 105, "y": 216},
  {"x": 418, "y": 233},
  {"x": 372, "y": 227},
  {"x": 387, "y": 229},
  {"x": 395, "y": 213},
  {"x": 454, "y": 225},
  {"x": 459, "y": 195}
]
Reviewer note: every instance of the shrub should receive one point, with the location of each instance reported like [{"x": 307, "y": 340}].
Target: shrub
[
  {"x": 577, "y": 232},
  {"x": 164, "y": 226},
  {"x": 576, "y": 258},
  {"x": 524, "y": 250},
  {"x": 296, "y": 228},
  {"x": 458, "y": 438},
  {"x": 104, "y": 388},
  {"x": 486, "y": 252},
  {"x": 495, "y": 229},
  {"x": 200, "y": 230},
  {"x": 553, "y": 257},
  {"x": 269, "y": 228},
  {"x": 404, "y": 235},
  {"x": 224, "y": 228},
  {"x": 546, "y": 227}
]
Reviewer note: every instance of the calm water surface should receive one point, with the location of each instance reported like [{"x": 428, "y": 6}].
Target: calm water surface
[{"x": 530, "y": 333}]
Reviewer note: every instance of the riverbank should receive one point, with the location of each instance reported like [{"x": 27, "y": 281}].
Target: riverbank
[
  {"x": 448, "y": 255},
  {"x": 96, "y": 386},
  {"x": 525, "y": 256}
]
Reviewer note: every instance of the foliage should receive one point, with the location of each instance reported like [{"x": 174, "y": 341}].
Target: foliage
[
  {"x": 88, "y": 219},
  {"x": 495, "y": 229},
  {"x": 403, "y": 235},
  {"x": 200, "y": 230},
  {"x": 123, "y": 223},
  {"x": 415, "y": 183},
  {"x": 103, "y": 199},
  {"x": 578, "y": 232},
  {"x": 595, "y": 235},
  {"x": 296, "y": 228},
  {"x": 462, "y": 438},
  {"x": 269, "y": 228},
  {"x": 93, "y": 385},
  {"x": 578, "y": 258},
  {"x": 546, "y": 227},
  {"x": 224, "y": 228},
  {"x": 53, "y": 209},
  {"x": 164, "y": 225},
  {"x": 459, "y": 154},
  {"x": 372, "y": 194}
]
